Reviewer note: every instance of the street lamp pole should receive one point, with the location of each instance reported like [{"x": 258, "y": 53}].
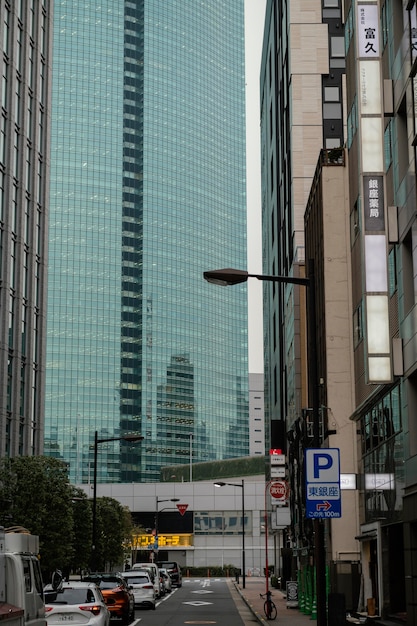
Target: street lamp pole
[
  {"x": 241, "y": 486},
  {"x": 97, "y": 441},
  {"x": 158, "y": 501},
  {"x": 231, "y": 276}
]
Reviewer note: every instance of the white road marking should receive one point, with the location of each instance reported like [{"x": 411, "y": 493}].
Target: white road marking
[{"x": 198, "y": 603}]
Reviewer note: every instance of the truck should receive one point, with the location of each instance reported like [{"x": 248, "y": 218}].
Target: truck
[{"x": 21, "y": 587}]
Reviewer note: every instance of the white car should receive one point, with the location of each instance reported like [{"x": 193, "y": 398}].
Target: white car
[
  {"x": 151, "y": 567},
  {"x": 139, "y": 581},
  {"x": 76, "y": 602},
  {"x": 167, "y": 579}
]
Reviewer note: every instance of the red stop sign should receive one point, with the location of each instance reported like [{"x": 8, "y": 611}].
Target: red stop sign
[{"x": 278, "y": 490}]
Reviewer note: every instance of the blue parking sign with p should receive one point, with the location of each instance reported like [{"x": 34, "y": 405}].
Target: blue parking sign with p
[{"x": 323, "y": 497}]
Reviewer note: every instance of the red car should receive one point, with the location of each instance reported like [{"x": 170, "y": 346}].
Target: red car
[{"x": 118, "y": 597}]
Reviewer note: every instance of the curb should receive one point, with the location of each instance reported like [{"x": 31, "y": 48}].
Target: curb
[{"x": 259, "y": 617}]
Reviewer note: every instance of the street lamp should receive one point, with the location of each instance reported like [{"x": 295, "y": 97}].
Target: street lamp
[
  {"x": 231, "y": 276},
  {"x": 132, "y": 438},
  {"x": 241, "y": 486},
  {"x": 157, "y": 511}
]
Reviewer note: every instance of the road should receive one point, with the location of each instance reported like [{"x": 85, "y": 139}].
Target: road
[{"x": 205, "y": 601}]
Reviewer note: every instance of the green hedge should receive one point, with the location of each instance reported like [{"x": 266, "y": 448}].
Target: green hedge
[{"x": 214, "y": 470}]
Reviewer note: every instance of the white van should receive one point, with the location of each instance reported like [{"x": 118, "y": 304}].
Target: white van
[
  {"x": 21, "y": 584},
  {"x": 153, "y": 568}
]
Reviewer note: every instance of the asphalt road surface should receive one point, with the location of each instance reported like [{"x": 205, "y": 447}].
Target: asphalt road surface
[{"x": 199, "y": 602}]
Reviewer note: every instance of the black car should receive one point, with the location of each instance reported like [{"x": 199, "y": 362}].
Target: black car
[{"x": 174, "y": 570}]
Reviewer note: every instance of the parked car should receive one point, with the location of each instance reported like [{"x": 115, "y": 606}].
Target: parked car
[
  {"x": 153, "y": 568},
  {"x": 162, "y": 584},
  {"x": 142, "y": 587},
  {"x": 117, "y": 595},
  {"x": 174, "y": 570},
  {"x": 76, "y": 602},
  {"x": 167, "y": 579}
]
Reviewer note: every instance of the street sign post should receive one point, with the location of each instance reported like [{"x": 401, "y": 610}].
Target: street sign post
[
  {"x": 279, "y": 490},
  {"x": 323, "y": 497}
]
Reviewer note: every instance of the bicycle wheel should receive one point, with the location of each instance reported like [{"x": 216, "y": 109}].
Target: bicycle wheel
[{"x": 270, "y": 609}]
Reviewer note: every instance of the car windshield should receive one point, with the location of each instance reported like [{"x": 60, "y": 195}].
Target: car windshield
[
  {"x": 137, "y": 580},
  {"x": 169, "y": 565},
  {"x": 73, "y": 596},
  {"x": 110, "y": 584}
]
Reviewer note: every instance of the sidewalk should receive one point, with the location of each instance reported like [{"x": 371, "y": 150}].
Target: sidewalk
[{"x": 255, "y": 585}]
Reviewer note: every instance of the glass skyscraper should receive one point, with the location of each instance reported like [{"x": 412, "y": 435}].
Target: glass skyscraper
[
  {"x": 24, "y": 181},
  {"x": 147, "y": 192}
]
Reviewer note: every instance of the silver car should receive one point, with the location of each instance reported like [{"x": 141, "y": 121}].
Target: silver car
[
  {"x": 76, "y": 602},
  {"x": 140, "y": 583}
]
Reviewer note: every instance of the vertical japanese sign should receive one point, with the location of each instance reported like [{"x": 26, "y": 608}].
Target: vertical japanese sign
[
  {"x": 368, "y": 30},
  {"x": 371, "y": 151},
  {"x": 373, "y": 200}
]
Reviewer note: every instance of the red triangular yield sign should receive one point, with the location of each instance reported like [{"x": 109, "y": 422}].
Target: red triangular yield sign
[{"x": 182, "y": 508}]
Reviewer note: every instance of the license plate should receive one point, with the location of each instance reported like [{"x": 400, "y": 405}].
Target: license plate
[{"x": 65, "y": 618}]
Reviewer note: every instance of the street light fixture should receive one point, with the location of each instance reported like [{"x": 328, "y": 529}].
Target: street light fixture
[
  {"x": 132, "y": 438},
  {"x": 241, "y": 486},
  {"x": 229, "y": 276}
]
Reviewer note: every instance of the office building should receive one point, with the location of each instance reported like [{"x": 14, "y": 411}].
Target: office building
[
  {"x": 202, "y": 527},
  {"x": 381, "y": 60},
  {"x": 308, "y": 392},
  {"x": 147, "y": 192},
  {"x": 24, "y": 175},
  {"x": 375, "y": 274}
]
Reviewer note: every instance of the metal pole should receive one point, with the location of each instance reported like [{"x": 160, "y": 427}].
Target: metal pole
[
  {"x": 266, "y": 544},
  {"x": 243, "y": 536},
  {"x": 156, "y": 542},
  {"x": 93, "y": 547},
  {"x": 319, "y": 547}
]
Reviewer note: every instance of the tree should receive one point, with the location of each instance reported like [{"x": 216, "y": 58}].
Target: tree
[
  {"x": 132, "y": 543},
  {"x": 36, "y": 494},
  {"x": 83, "y": 524},
  {"x": 113, "y": 526}
]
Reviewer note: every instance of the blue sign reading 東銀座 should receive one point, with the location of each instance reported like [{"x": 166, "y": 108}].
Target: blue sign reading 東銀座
[{"x": 323, "y": 497}]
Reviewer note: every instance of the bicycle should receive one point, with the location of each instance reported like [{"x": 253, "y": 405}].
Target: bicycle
[{"x": 269, "y": 606}]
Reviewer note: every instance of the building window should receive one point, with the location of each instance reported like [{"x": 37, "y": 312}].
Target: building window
[
  {"x": 357, "y": 326},
  {"x": 337, "y": 47},
  {"x": 221, "y": 522}
]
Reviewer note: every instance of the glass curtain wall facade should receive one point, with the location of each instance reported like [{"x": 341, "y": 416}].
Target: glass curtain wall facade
[
  {"x": 147, "y": 192},
  {"x": 24, "y": 185}
]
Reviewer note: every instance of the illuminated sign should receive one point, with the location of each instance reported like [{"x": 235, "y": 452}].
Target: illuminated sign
[
  {"x": 146, "y": 542},
  {"x": 379, "y": 482}
]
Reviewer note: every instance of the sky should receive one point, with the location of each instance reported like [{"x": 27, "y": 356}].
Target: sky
[{"x": 254, "y": 26}]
